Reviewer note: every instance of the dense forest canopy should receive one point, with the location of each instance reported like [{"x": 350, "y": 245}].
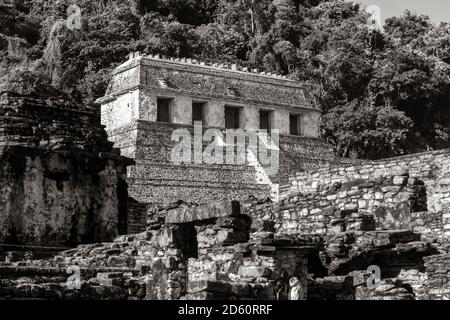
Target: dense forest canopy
[{"x": 382, "y": 93}]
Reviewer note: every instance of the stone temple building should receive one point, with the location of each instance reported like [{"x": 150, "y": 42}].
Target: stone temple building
[{"x": 149, "y": 97}]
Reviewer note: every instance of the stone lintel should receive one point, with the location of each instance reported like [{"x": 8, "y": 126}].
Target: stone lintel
[{"x": 203, "y": 212}]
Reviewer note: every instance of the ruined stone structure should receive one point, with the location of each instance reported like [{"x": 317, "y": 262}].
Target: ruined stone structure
[
  {"x": 61, "y": 182},
  {"x": 199, "y": 252},
  {"x": 335, "y": 219},
  {"x": 149, "y": 97},
  {"x": 218, "y": 251}
]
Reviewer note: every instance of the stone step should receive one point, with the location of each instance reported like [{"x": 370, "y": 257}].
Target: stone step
[
  {"x": 386, "y": 237},
  {"x": 14, "y": 256},
  {"x": 12, "y": 272},
  {"x": 19, "y": 252}
]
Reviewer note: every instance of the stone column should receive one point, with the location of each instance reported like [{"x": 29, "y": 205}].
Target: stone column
[
  {"x": 147, "y": 105},
  {"x": 309, "y": 124},
  {"x": 281, "y": 121},
  {"x": 181, "y": 110},
  {"x": 249, "y": 118},
  {"x": 215, "y": 114}
]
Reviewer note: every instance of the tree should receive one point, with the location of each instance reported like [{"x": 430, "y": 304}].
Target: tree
[
  {"x": 362, "y": 130},
  {"x": 436, "y": 42},
  {"x": 379, "y": 93},
  {"x": 219, "y": 43},
  {"x": 192, "y": 12},
  {"x": 408, "y": 28},
  {"x": 336, "y": 57}
]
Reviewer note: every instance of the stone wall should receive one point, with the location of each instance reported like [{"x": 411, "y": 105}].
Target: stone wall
[
  {"x": 429, "y": 169},
  {"x": 437, "y": 284},
  {"x": 300, "y": 154},
  {"x": 397, "y": 203},
  {"x": 51, "y": 284},
  {"x": 61, "y": 180}
]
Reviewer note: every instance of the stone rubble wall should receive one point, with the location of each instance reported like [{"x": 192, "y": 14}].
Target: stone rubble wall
[
  {"x": 429, "y": 168},
  {"x": 437, "y": 286},
  {"x": 331, "y": 288},
  {"x": 300, "y": 154},
  {"x": 398, "y": 202}
]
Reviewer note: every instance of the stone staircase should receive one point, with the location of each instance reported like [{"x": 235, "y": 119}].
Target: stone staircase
[
  {"x": 53, "y": 283},
  {"x": 11, "y": 253}
]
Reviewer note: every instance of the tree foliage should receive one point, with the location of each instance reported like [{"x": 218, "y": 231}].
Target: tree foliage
[{"x": 382, "y": 93}]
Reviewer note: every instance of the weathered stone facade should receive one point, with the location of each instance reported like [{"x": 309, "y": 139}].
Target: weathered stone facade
[{"x": 61, "y": 181}]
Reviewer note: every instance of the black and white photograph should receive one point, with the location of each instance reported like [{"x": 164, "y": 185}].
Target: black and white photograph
[{"x": 243, "y": 151}]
